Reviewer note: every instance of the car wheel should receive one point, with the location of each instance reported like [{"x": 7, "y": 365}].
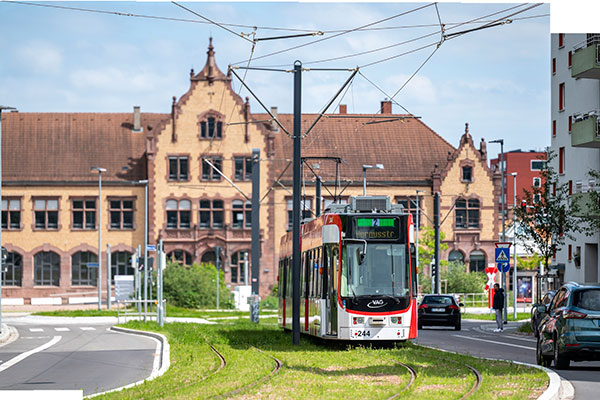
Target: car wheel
[
  {"x": 457, "y": 327},
  {"x": 540, "y": 358},
  {"x": 560, "y": 361},
  {"x": 420, "y": 325}
]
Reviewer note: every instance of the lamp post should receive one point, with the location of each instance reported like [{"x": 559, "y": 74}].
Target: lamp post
[
  {"x": 2, "y": 255},
  {"x": 99, "y": 277},
  {"x": 418, "y": 227},
  {"x": 503, "y": 280},
  {"x": 514, "y": 175},
  {"x": 365, "y": 168}
]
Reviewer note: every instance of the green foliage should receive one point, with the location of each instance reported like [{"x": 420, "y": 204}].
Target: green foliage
[
  {"x": 427, "y": 245},
  {"x": 269, "y": 303},
  {"x": 195, "y": 286},
  {"x": 531, "y": 263},
  {"x": 455, "y": 279}
]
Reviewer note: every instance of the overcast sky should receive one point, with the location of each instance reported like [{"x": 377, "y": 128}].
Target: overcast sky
[{"x": 496, "y": 79}]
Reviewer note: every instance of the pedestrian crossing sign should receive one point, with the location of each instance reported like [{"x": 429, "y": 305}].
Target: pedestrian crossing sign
[{"x": 502, "y": 255}]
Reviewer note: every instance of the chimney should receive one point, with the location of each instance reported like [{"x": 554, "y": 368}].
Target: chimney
[
  {"x": 386, "y": 106},
  {"x": 274, "y": 126},
  {"x": 137, "y": 119},
  {"x": 343, "y": 109}
]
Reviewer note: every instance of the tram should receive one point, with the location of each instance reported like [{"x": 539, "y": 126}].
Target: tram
[{"x": 358, "y": 278}]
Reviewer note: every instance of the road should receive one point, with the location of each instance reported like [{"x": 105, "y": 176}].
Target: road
[
  {"x": 478, "y": 339},
  {"x": 54, "y": 356}
]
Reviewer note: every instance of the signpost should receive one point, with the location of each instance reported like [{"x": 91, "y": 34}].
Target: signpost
[
  {"x": 502, "y": 258},
  {"x": 491, "y": 274}
]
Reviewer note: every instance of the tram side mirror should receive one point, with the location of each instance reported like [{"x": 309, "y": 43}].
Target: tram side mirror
[
  {"x": 542, "y": 309},
  {"x": 360, "y": 255}
]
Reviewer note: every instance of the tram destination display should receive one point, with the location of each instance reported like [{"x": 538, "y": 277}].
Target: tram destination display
[{"x": 377, "y": 228}]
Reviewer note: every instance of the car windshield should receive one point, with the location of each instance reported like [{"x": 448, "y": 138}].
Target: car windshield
[
  {"x": 438, "y": 300},
  {"x": 588, "y": 299},
  {"x": 383, "y": 270}
]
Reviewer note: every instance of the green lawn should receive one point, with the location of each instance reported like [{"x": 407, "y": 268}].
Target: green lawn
[{"x": 492, "y": 317}]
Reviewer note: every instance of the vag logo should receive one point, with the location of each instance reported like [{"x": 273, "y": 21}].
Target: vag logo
[{"x": 376, "y": 304}]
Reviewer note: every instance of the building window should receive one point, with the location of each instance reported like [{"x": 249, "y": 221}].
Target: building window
[
  {"x": 570, "y": 123},
  {"x": 561, "y": 160},
  {"x": 456, "y": 256},
  {"x": 178, "y": 168},
  {"x": 81, "y": 274},
  {"x": 467, "y": 213},
  {"x": 120, "y": 264},
  {"x": 243, "y": 168},
  {"x": 46, "y": 213},
  {"x": 537, "y": 165},
  {"x": 11, "y": 214},
  {"x": 180, "y": 256},
  {"x": 477, "y": 261},
  {"x": 179, "y": 214},
  {"x": 561, "y": 97},
  {"x": 121, "y": 214},
  {"x": 211, "y": 214},
  {"x": 237, "y": 267},
  {"x": 208, "y": 172},
  {"x": 467, "y": 174},
  {"x": 242, "y": 214},
  {"x": 554, "y": 66},
  {"x": 13, "y": 270},
  {"x": 570, "y": 252},
  {"x": 570, "y": 59},
  {"x": 561, "y": 40},
  {"x": 554, "y": 128},
  {"x": 410, "y": 205},
  {"x": 570, "y": 187},
  {"x": 536, "y": 198},
  {"x": 46, "y": 266},
  {"x": 537, "y": 182},
  {"x": 84, "y": 214},
  {"x": 210, "y": 257},
  {"x": 211, "y": 128},
  {"x": 305, "y": 207}
]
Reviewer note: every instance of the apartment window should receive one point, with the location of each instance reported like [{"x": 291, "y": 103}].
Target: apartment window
[
  {"x": 561, "y": 97},
  {"x": 81, "y": 273},
  {"x": 211, "y": 214},
  {"x": 537, "y": 182},
  {"x": 561, "y": 40},
  {"x": 180, "y": 256},
  {"x": 554, "y": 128},
  {"x": 537, "y": 165},
  {"x": 561, "y": 160},
  {"x": 120, "y": 264},
  {"x": 211, "y": 128},
  {"x": 84, "y": 214},
  {"x": 46, "y": 269},
  {"x": 554, "y": 66},
  {"x": 178, "y": 168},
  {"x": 467, "y": 174},
  {"x": 570, "y": 122},
  {"x": 179, "y": 214},
  {"x": 537, "y": 198},
  {"x": 570, "y": 252},
  {"x": 13, "y": 267},
  {"x": 477, "y": 261},
  {"x": 242, "y": 214},
  {"x": 570, "y": 59},
  {"x": 121, "y": 213},
  {"x": 209, "y": 173},
  {"x": 410, "y": 205},
  {"x": 570, "y": 187},
  {"x": 305, "y": 207},
  {"x": 554, "y": 189},
  {"x": 467, "y": 213},
  {"x": 46, "y": 213},
  {"x": 11, "y": 214},
  {"x": 243, "y": 168},
  {"x": 237, "y": 265}
]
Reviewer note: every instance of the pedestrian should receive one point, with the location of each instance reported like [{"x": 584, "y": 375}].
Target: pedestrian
[{"x": 498, "y": 305}]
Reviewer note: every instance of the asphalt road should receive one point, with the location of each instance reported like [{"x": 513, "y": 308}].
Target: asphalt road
[
  {"x": 73, "y": 357},
  {"x": 478, "y": 339}
]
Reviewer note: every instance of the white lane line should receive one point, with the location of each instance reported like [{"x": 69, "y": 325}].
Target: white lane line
[
  {"x": 496, "y": 342},
  {"x": 88, "y": 328},
  {"x": 23, "y": 356},
  {"x": 36, "y": 330},
  {"x": 62, "y": 329}
]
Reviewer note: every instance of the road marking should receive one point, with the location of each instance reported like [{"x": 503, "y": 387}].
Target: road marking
[
  {"x": 88, "y": 328},
  {"x": 35, "y": 337},
  {"x": 36, "y": 330},
  {"x": 23, "y": 356},
  {"x": 62, "y": 329},
  {"x": 495, "y": 342}
]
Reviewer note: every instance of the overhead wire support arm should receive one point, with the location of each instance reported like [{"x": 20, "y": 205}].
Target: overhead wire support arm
[
  {"x": 261, "y": 69},
  {"x": 227, "y": 179},
  {"x": 276, "y": 180},
  {"x": 318, "y": 33},
  {"x": 259, "y": 102}
]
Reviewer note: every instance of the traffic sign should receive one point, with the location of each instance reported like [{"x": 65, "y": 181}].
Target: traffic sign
[
  {"x": 502, "y": 255},
  {"x": 151, "y": 247},
  {"x": 93, "y": 265},
  {"x": 504, "y": 267}
]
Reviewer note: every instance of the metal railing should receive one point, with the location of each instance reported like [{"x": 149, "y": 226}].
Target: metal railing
[{"x": 134, "y": 309}]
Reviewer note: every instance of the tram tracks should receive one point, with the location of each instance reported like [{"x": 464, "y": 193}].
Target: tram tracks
[{"x": 413, "y": 378}]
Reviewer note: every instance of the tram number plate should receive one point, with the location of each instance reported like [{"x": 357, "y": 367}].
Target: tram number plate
[
  {"x": 437, "y": 310},
  {"x": 356, "y": 333}
]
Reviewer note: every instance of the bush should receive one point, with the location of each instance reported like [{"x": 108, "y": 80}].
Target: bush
[
  {"x": 195, "y": 286},
  {"x": 270, "y": 303}
]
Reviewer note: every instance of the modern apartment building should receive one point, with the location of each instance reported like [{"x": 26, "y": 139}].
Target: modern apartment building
[{"x": 575, "y": 80}]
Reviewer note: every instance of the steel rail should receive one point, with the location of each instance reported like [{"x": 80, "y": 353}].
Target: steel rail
[{"x": 413, "y": 378}]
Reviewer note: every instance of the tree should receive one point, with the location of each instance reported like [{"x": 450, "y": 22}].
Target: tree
[
  {"x": 426, "y": 253},
  {"x": 547, "y": 218}
]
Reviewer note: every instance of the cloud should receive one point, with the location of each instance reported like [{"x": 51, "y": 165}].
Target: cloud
[{"x": 40, "y": 57}]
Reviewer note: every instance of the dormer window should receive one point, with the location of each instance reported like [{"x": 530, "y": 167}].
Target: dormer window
[{"x": 211, "y": 128}]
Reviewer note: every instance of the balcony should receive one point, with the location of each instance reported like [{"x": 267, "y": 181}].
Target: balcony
[
  {"x": 587, "y": 204},
  {"x": 586, "y": 62},
  {"x": 584, "y": 132}
]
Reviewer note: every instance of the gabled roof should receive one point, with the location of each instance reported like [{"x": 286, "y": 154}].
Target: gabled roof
[
  {"x": 40, "y": 147},
  {"x": 408, "y": 149}
]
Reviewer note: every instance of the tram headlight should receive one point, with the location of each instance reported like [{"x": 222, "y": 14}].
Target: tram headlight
[
  {"x": 358, "y": 320},
  {"x": 396, "y": 320}
]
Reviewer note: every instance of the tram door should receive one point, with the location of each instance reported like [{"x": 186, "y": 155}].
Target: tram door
[{"x": 331, "y": 258}]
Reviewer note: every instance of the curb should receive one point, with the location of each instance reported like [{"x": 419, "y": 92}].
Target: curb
[
  {"x": 555, "y": 390},
  {"x": 9, "y": 334},
  {"x": 161, "y": 364}
]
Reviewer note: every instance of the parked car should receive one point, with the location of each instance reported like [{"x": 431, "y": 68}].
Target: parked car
[
  {"x": 436, "y": 309},
  {"x": 570, "y": 326},
  {"x": 536, "y": 317}
]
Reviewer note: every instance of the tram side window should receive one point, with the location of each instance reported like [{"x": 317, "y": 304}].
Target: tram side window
[
  {"x": 335, "y": 264},
  {"x": 325, "y": 278}
]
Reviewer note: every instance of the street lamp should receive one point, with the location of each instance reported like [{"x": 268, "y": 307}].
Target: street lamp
[
  {"x": 514, "y": 175},
  {"x": 1, "y": 260},
  {"x": 365, "y": 168},
  {"x": 145, "y": 183},
  {"x": 99, "y": 278}
]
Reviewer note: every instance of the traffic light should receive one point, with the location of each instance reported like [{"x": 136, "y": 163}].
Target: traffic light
[{"x": 523, "y": 205}]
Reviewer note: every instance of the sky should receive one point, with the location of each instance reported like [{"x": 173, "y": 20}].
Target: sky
[{"x": 496, "y": 79}]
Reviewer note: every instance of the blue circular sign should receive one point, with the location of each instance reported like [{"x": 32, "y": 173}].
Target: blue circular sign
[{"x": 504, "y": 267}]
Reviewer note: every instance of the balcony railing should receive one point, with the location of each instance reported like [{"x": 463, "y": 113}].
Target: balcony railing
[
  {"x": 585, "y": 131},
  {"x": 586, "y": 59}
]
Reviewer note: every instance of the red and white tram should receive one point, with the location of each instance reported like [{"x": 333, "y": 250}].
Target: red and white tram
[{"x": 358, "y": 278}]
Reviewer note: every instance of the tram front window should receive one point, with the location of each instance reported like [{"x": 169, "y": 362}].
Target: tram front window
[{"x": 383, "y": 271}]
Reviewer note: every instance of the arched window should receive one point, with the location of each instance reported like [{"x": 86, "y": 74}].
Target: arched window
[
  {"x": 456, "y": 256},
  {"x": 46, "y": 267},
  {"x": 180, "y": 256},
  {"x": 237, "y": 266},
  {"x": 477, "y": 261},
  {"x": 81, "y": 274},
  {"x": 179, "y": 214},
  {"x": 209, "y": 257},
  {"x": 467, "y": 213},
  {"x": 242, "y": 214},
  {"x": 120, "y": 264},
  {"x": 14, "y": 270}
]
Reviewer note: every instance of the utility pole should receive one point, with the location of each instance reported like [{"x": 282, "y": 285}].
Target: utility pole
[
  {"x": 436, "y": 224},
  {"x": 297, "y": 134},
  {"x": 318, "y": 196},
  {"x": 255, "y": 221},
  {"x": 218, "y": 266},
  {"x": 503, "y": 280},
  {"x": 514, "y": 175},
  {"x": 108, "y": 277}
]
